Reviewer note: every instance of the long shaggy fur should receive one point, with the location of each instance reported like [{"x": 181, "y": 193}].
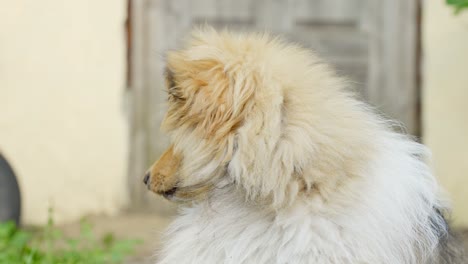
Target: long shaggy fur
[{"x": 278, "y": 162}]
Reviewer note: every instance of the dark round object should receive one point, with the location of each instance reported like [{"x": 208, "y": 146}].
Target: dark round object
[{"x": 10, "y": 200}]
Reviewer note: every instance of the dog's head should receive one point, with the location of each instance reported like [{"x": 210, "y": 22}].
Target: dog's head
[{"x": 240, "y": 109}]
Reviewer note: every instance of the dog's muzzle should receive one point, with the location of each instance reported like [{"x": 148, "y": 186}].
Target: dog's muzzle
[{"x": 162, "y": 178}]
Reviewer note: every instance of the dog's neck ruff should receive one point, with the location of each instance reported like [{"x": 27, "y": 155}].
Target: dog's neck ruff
[{"x": 383, "y": 217}]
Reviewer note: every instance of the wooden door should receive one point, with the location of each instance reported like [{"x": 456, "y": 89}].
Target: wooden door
[{"x": 373, "y": 42}]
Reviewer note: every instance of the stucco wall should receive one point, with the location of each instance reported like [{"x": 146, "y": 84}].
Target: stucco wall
[
  {"x": 61, "y": 120},
  {"x": 445, "y": 100}
]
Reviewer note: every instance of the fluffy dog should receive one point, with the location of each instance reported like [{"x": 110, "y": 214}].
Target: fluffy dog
[{"x": 275, "y": 161}]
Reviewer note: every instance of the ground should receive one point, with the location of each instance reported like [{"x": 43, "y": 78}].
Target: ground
[{"x": 145, "y": 227}]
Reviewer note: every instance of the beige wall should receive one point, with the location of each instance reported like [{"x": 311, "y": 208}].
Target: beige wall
[
  {"x": 445, "y": 99},
  {"x": 61, "y": 119}
]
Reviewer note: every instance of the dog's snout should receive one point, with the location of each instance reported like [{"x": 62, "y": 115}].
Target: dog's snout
[{"x": 146, "y": 179}]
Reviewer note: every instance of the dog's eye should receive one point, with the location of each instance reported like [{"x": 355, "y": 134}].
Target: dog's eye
[
  {"x": 174, "y": 94},
  {"x": 176, "y": 97},
  {"x": 172, "y": 89}
]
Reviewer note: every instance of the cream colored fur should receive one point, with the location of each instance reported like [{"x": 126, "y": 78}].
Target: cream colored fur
[{"x": 282, "y": 164}]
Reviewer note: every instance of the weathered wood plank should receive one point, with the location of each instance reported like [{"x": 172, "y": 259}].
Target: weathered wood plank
[
  {"x": 393, "y": 64},
  {"x": 215, "y": 10},
  {"x": 333, "y": 41},
  {"x": 328, "y": 11},
  {"x": 137, "y": 113},
  {"x": 273, "y": 15}
]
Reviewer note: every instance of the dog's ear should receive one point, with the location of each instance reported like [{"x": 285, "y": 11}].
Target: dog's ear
[
  {"x": 212, "y": 99},
  {"x": 264, "y": 162}
]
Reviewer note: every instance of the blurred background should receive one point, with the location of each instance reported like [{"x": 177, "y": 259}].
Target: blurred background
[{"x": 81, "y": 92}]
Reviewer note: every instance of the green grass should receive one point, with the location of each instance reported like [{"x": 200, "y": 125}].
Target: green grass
[{"x": 49, "y": 246}]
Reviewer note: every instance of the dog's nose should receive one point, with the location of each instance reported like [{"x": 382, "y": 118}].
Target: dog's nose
[{"x": 146, "y": 179}]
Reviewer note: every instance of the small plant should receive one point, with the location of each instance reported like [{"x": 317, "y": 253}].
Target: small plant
[
  {"x": 459, "y": 5},
  {"x": 49, "y": 246}
]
